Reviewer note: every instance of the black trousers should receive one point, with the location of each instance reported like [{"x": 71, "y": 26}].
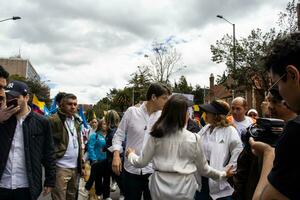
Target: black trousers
[
  {"x": 16, "y": 194},
  {"x": 100, "y": 174},
  {"x": 135, "y": 186}
]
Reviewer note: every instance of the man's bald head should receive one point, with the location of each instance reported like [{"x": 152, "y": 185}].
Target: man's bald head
[{"x": 239, "y": 108}]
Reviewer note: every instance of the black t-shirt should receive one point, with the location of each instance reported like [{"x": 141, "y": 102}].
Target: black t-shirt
[{"x": 285, "y": 174}]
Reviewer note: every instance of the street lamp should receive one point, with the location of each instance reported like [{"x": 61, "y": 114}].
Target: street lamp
[
  {"x": 233, "y": 35},
  {"x": 12, "y": 18}
]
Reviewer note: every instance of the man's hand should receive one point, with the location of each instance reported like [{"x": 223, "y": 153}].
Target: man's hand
[
  {"x": 6, "y": 113},
  {"x": 129, "y": 150},
  {"x": 116, "y": 163},
  {"x": 260, "y": 148},
  {"x": 47, "y": 190}
]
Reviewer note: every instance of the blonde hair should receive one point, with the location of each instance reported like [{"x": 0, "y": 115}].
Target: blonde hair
[
  {"x": 221, "y": 120},
  {"x": 112, "y": 119}
]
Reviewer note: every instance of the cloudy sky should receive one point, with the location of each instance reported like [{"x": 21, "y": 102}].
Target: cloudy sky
[{"x": 89, "y": 46}]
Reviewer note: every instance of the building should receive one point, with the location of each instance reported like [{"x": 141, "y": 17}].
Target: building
[
  {"x": 220, "y": 91},
  {"x": 19, "y": 66}
]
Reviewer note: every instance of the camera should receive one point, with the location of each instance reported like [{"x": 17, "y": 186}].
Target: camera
[{"x": 267, "y": 130}]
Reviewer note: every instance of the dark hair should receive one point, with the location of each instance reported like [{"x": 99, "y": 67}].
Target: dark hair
[
  {"x": 100, "y": 124},
  {"x": 173, "y": 116},
  {"x": 284, "y": 51},
  {"x": 3, "y": 73},
  {"x": 157, "y": 89},
  {"x": 59, "y": 97},
  {"x": 68, "y": 96}
]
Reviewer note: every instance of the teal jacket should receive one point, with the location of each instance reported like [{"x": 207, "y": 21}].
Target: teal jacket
[{"x": 97, "y": 147}]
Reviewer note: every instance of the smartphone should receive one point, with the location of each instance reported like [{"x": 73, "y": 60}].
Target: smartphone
[{"x": 12, "y": 102}]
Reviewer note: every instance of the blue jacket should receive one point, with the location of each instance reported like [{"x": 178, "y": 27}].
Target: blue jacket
[{"x": 97, "y": 147}]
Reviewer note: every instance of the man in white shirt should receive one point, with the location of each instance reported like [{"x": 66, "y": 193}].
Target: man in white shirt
[
  {"x": 25, "y": 145},
  {"x": 68, "y": 151},
  {"x": 136, "y": 125},
  {"x": 239, "y": 118}
]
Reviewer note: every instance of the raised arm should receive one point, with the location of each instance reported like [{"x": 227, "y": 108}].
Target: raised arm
[{"x": 146, "y": 155}]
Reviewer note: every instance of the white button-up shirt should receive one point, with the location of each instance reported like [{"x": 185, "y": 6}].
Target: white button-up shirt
[
  {"x": 135, "y": 125},
  {"x": 15, "y": 174},
  {"x": 70, "y": 158}
]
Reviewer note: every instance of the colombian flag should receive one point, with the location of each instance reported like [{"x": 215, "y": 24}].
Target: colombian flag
[
  {"x": 39, "y": 106},
  {"x": 202, "y": 119}
]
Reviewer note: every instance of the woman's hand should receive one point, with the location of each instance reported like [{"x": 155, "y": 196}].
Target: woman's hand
[
  {"x": 129, "y": 150},
  {"x": 229, "y": 171}
]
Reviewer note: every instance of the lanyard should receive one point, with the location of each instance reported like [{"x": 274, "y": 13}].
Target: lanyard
[{"x": 69, "y": 129}]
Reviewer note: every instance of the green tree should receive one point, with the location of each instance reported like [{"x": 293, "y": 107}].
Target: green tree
[
  {"x": 198, "y": 93},
  {"x": 40, "y": 89},
  {"x": 182, "y": 86},
  {"x": 249, "y": 70},
  {"x": 139, "y": 84},
  {"x": 288, "y": 18},
  {"x": 122, "y": 100}
]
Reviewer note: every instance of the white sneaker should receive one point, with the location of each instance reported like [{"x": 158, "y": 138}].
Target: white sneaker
[
  {"x": 113, "y": 187},
  {"x": 108, "y": 198}
]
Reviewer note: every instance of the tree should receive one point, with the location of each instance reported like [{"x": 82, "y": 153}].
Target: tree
[
  {"x": 122, "y": 100},
  {"x": 139, "y": 84},
  {"x": 198, "y": 93},
  {"x": 288, "y": 19},
  {"x": 182, "y": 86},
  {"x": 249, "y": 70},
  {"x": 164, "y": 62},
  {"x": 40, "y": 89}
]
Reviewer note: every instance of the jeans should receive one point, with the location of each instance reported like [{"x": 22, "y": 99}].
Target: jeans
[{"x": 135, "y": 186}]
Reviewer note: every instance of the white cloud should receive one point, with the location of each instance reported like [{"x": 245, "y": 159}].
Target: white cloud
[{"x": 88, "y": 47}]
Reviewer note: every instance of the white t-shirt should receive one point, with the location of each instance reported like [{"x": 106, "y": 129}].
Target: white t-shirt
[{"x": 243, "y": 125}]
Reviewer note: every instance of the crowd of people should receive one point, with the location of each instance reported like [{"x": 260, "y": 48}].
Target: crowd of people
[{"x": 156, "y": 150}]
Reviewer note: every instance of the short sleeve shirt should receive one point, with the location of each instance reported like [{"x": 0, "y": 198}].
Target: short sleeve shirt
[{"x": 285, "y": 174}]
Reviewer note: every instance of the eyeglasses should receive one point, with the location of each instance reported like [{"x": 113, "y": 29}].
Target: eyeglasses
[{"x": 276, "y": 82}]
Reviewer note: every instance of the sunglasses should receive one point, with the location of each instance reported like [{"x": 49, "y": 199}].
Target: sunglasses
[{"x": 276, "y": 82}]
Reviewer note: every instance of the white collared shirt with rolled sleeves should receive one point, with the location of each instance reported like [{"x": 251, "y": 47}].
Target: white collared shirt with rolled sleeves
[{"x": 136, "y": 125}]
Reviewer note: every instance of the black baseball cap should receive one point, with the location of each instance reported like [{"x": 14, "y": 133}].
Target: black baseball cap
[
  {"x": 215, "y": 108},
  {"x": 16, "y": 88}
]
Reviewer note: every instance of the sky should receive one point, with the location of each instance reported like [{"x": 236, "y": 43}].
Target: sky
[{"x": 87, "y": 47}]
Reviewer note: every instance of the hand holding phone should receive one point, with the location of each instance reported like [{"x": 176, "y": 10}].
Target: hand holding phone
[{"x": 12, "y": 102}]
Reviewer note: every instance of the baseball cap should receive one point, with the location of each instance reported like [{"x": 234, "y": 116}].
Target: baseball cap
[{"x": 16, "y": 88}]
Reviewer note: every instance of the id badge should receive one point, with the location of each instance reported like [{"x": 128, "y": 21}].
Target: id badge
[{"x": 75, "y": 143}]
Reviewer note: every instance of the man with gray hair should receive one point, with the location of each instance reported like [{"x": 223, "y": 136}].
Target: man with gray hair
[{"x": 239, "y": 118}]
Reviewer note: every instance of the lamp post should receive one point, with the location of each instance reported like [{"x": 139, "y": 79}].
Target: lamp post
[
  {"x": 233, "y": 35},
  {"x": 12, "y": 18}
]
